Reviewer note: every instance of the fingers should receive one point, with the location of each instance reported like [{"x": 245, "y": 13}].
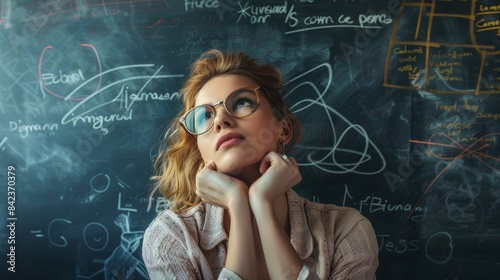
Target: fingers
[
  {"x": 295, "y": 173},
  {"x": 289, "y": 159},
  {"x": 216, "y": 188},
  {"x": 283, "y": 169},
  {"x": 273, "y": 158}
]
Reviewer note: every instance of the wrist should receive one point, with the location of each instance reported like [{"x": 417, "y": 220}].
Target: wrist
[
  {"x": 260, "y": 204},
  {"x": 238, "y": 201}
]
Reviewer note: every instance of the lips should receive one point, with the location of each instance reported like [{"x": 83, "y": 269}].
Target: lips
[{"x": 228, "y": 139}]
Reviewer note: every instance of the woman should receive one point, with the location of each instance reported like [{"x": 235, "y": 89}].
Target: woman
[{"x": 225, "y": 172}]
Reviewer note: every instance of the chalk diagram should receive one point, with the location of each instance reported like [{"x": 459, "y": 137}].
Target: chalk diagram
[
  {"x": 122, "y": 264},
  {"x": 428, "y": 50},
  {"x": 450, "y": 47},
  {"x": 340, "y": 157}
]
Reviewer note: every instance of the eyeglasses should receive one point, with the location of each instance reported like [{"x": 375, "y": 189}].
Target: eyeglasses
[{"x": 240, "y": 103}]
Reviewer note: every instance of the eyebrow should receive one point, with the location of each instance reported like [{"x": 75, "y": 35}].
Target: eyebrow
[{"x": 253, "y": 87}]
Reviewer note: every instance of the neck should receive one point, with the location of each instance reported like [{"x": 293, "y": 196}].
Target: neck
[{"x": 249, "y": 174}]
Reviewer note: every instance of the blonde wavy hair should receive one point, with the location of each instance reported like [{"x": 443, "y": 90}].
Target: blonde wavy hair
[{"x": 179, "y": 159}]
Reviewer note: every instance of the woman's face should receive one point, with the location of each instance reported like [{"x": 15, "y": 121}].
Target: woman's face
[{"x": 237, "y": 143}]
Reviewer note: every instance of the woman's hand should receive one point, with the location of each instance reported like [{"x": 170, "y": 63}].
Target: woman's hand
[
  {"x": 269, "y": 207},
  {"x": 217, "y": 188},
  {"x": 231, "y": 194},
  {"x": 278, "y": 176}
]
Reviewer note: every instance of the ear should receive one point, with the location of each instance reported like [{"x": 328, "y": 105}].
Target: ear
[{"x": 286, "y": 130}]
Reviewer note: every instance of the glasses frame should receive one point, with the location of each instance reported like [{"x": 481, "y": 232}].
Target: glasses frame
[{"x": 182, "y": 119}]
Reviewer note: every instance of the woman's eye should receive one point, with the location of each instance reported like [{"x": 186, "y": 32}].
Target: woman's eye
[
  {"x": 206, "y": 116},
  {"x": 243, "y": 103},
  {"x": 203, "y": 117}
]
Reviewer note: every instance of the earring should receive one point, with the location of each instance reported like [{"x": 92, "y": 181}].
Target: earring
[{"x": 281, "y": 146}]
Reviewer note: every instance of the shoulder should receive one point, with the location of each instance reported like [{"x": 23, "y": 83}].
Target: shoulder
[
  {"x": 170, "y": 247},
  {"x": 169, "y": 223},
  {"x": 338, "y": 219},
  {"x": 340, "y": 233},
  {"x": 326, "y": 211},
  {"x": 341, "y": 215}
]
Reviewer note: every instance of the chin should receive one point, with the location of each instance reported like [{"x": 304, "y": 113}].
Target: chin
[
  {"x": 232, "y": 165},
  {"x": 229, "y": 167}
]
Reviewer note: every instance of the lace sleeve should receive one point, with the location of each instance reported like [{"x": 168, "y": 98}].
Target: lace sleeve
[
  {"x": 165, "y": 254},
  {"x": 170, "y": 252},
  {"x": 356, "y": 255}
]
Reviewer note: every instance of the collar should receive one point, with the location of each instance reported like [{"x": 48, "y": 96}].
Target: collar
[
  {"x": 213, "y": 233},
  {"x": 300, "y": 235}
]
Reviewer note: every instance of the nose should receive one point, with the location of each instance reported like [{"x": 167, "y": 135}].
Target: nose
[{"x": 222, "y": 118}]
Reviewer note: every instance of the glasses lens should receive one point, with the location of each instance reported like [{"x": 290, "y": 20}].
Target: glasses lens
[
  {"x": 199, "y": 119},
  {"x": 242, "y": 103},
  {"x": 239, "y": 104}
]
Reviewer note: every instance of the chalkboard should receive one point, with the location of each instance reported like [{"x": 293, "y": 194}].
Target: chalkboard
[{"x": 399, "y": 102}]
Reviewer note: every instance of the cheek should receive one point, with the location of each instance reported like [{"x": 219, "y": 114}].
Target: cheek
[
  {"x": 264, "y": 136},
  {"x": 268, "y": 133},
  {"x": 204, "y": 150}
]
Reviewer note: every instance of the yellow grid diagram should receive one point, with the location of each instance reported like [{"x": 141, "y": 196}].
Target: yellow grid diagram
[{"x": 445, "y": 47}]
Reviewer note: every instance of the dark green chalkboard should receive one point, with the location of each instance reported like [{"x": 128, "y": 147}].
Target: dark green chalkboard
[{"x": 399, "y": 102}]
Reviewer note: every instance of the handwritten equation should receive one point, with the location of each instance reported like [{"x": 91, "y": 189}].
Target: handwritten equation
[{"x": 96, "y": 236}]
